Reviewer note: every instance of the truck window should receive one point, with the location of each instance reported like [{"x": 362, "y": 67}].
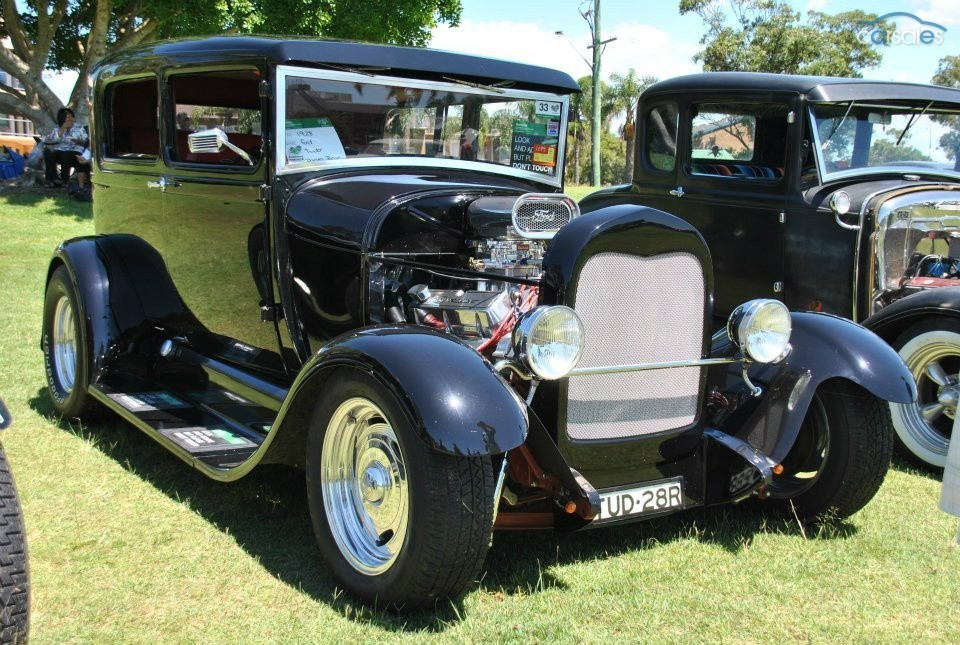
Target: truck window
[{"x": 738, "y": 140}]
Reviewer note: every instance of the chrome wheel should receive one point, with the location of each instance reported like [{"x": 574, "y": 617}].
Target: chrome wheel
[
  {"x": 363, "y": 479},
  {"x": 924, "y": 428},
  {"x": 64, "y": 345}
]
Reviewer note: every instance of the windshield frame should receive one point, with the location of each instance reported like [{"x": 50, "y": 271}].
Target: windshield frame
[
  {"x": 900, "y": 167},
  {"x": 281, "y": 167}
]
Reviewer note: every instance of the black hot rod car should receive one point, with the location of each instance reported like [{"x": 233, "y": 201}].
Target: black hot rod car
[
  {"x": 356, "y": 259},
  {"x": 831, "y": 194}
]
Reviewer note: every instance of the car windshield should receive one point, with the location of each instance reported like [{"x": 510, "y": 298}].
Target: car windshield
[
  {"x": 852, "y": 136},
  {"x": 330, "y": 117}
]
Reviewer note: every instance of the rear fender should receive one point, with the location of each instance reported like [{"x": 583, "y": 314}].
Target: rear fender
[
  {"x": 823, "y": 347},
  {"x": 453, "y": 397},
  {"x": 122, "y": 284}
]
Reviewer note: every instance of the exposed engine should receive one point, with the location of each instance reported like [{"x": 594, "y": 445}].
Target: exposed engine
[{"x": 507, "y": 242}]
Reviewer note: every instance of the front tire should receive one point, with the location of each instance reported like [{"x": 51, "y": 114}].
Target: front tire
[
  {"x": 66, "y": 349},
  {"x": 931, "y": 350},
  {"x": 839, "y": 458},
  {"x": 400, "y": 526}
]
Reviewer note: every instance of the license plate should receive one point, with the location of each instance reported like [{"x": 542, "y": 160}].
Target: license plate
[{"x": 641, "y": 500}]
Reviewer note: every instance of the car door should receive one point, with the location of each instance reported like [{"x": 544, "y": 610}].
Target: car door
[
  {"x": 728, "y": 181},
  {"x": 214, "y": 217}
]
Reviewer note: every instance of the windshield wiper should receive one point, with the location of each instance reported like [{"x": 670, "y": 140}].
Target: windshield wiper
[
  {"x": 480, "y": 86},
  {"x": 365, "y": 71},
  {"x": 913, "y": 117},
  {"x": 837, "y": 126}
]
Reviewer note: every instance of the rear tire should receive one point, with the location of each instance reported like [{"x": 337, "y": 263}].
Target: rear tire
[
  {"x": 66, "y": 348},
  {"x": 14, "y": 568},
  {"x": 931, "y": 350},
  {"x": 839, "y": 458},
  {"x": 400, "y": 526}
]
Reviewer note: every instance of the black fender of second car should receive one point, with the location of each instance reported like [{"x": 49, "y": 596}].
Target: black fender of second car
[
  {"x": 459, "y": 406},
  {"x": 823, "y": 347},
  {"x": 893, "y": 319}
]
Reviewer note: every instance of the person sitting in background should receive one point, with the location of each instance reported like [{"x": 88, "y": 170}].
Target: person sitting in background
[
  {"x": 62, "y": 146},
  {"x": 84, "y": 166},
  {"x": 932, "y": 245},
  {"x": 184, "y": 122}
]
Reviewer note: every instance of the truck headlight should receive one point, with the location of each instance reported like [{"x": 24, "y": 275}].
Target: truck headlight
[
  {"x": 549, "y": 340},
  {"x": 761, "y": 329}
]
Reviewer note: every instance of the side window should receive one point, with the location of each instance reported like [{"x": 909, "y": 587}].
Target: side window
[
  {"x": 228, "y": 101},
  {"x": 131, "y": 119},
  {"x": 738, "y": 140},
  {"x": 660, "y": 137}
]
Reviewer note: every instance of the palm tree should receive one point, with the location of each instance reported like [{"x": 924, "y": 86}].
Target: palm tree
[{"x": 625, "y": 90}]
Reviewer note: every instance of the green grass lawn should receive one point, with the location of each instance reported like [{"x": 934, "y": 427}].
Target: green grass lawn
[{"x": 128, "y": 544}]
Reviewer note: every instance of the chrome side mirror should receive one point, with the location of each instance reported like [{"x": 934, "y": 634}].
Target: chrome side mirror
[{"x": 212, "y": 141}]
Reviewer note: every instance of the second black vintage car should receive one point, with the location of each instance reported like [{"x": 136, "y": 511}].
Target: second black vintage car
[
  {"x": 831, "y": 194},
  {"x": 356, "y": 259}
]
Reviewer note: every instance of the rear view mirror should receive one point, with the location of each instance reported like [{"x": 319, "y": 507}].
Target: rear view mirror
[{"x": 882, "y": 118}]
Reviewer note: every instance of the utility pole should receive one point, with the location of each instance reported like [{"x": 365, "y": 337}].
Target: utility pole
[{"x": 593, "y": 20}]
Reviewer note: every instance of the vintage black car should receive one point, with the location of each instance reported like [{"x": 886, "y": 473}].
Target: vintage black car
[
  {"x": 356, "y": 259},
  {"x": 829, "y": 194}
]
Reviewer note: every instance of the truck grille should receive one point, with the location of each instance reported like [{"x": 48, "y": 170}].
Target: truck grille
[{"x": 637, "y": 310}]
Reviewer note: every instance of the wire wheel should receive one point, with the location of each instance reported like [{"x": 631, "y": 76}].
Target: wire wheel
[
  {"x": 363, "y": 480},
  {"x": 64, "y": 344}
]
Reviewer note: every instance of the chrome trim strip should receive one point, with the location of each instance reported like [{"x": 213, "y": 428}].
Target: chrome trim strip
[{"x": 615, "y": 369}]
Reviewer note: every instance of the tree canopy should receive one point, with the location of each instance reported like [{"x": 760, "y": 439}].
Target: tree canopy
[
  {"x": 769, "y": 36},
  {"x": 76, "y": 34}
]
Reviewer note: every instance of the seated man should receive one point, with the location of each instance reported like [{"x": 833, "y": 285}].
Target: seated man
[{"x": 62, "y": 145}]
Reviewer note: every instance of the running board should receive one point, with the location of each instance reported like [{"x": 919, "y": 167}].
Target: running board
[{"x": 203, "y": 424}]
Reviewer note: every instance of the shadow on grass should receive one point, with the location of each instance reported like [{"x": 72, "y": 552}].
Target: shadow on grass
[
  {"x": 904, "y": 464},
  {"x": 267, "y": 514},
  {"x": 63, "y": 204}
]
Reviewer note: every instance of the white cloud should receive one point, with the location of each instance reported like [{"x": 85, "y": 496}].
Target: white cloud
[
  {"x": 943, "y": 12},
  {"x": 650, "y": 51}
]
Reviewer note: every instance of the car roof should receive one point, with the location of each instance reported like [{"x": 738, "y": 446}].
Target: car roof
[
  {"x": 389, "y": 60},
  {"x": 815, "y": 88}
]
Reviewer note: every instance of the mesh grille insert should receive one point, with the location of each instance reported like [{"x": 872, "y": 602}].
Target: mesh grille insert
[
  {"x": 538, "y": 216},
  {"x": 637, "y": 310}
]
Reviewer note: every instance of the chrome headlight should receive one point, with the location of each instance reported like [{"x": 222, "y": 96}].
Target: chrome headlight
[
  {"x": 549, "y": 340},
  {"x": 761, "y": 329}
]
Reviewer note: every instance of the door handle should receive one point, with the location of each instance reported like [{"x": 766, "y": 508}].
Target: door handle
[
  {"x": 163, "y": 183},
  {"x": 677, "y": 192}
]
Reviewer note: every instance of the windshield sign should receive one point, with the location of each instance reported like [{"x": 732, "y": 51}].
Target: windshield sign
[{"x": 344, "y": 117}]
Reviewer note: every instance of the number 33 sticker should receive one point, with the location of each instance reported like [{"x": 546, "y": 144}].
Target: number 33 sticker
[{"x": 548, "y": 108}]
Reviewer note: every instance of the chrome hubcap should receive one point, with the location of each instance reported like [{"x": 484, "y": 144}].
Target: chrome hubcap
[
  {"x": 64, "y": 345},
  {"x": 935, "y": 366},
  {"x": 366, "y": 495}
]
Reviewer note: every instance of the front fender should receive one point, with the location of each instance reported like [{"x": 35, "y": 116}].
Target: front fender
[
  {"x": 453, "y": 397},
  {"x": 824, "y": 347},
  {"x": 889, "y": 322}
]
